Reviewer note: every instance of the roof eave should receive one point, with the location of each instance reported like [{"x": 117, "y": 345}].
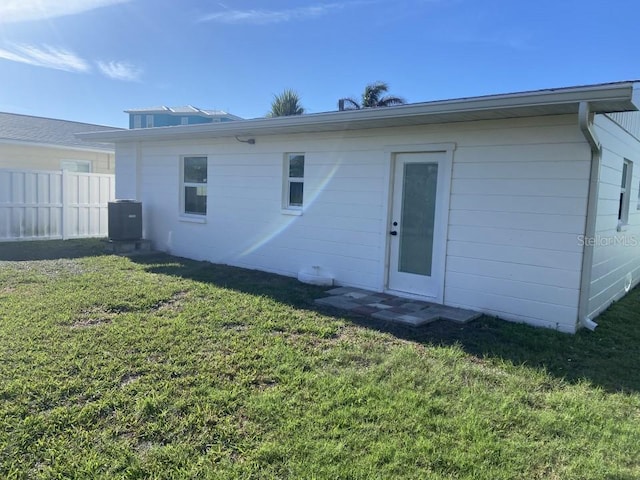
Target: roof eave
[
  {"x": 606, "y": 98},
  {"x": 80, "y": 148}
]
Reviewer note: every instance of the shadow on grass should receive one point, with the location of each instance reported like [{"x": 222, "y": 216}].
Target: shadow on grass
[
  {"x": 51, "y": 249},
  {"x": 607, "y": 357}
]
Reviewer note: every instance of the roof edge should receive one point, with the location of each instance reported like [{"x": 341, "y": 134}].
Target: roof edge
[{"x": 603, "y": 98}]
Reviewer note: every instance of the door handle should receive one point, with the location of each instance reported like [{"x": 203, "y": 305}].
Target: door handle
[{"x": 393, "y": 232}]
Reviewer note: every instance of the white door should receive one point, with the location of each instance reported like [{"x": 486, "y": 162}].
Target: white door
[{"x": 417, "y": 226}]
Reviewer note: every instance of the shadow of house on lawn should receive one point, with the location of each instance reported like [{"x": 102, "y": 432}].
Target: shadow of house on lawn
[
  {"x": 51, "y": 249},
  {"x": 607, "y": 357}
]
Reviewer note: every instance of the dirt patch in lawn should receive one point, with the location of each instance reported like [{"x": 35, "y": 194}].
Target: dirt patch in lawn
[
  {"x": 173, "y": 304},
  {"x": 128, "y": 379},
  {"x": 49, "y": 268},
  {"x": 93, "y": 317},
  {"x": 238, "y": 327}
]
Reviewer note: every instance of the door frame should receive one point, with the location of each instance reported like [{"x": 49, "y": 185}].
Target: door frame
[{"x": 443, "y": 198}]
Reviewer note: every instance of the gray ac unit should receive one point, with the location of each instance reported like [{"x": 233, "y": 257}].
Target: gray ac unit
[{"x": 125, "y": 220}]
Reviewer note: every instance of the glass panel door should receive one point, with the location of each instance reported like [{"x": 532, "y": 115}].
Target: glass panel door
[
  {"x": 417, "y": 233},
  {"x": 419, "y": 188}
]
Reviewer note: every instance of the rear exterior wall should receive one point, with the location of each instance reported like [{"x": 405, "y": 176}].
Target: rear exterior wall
[{"x": 517, "y": 207}]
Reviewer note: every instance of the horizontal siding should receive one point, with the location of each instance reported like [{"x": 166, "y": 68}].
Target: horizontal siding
[
  {"x": 515, "y": 309},
  {"x": 520, "y": 221},
  {"x": 519, "y": 204},
  {"x": 518, "y": 200},
  {"x": 629, "y": 121},
  {"x": 616, "y": 255},
  {"x": 549, "y": 294},
  {"x": 566, "y": 242},
  {"x": 33, "y": 157},
  {"x": 521, "y": 186},
  {"x": 517, "y": 214},
  {"x": 533, "y": 274},
  {"x": 491, "y": 170},
  {"x": 515, "y": 254}
]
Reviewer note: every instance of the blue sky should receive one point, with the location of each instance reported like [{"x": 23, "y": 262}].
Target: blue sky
[{"x": 88, "y": 60}]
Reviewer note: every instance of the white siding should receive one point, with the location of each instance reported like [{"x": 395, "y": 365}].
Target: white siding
[
  {"x": 518, "y": 201},
  {"x": 616, "y": 254},
  {"x": 630, "y": 121},
  {"x": 126, "y": 171},
  {"x": 517, "y": 210}
]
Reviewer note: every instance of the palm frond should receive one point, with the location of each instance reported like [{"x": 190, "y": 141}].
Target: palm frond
[
  {"x": 372, "y": 97},
  {"x": 391, "y": 101},
  {"x": 350, "y": 103},
  {"x": 285, "y": 104},
  {"x": 372, "y": 93}
]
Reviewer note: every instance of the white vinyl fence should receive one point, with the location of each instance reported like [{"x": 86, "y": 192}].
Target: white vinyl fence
[{"x": 38, "y": 204}]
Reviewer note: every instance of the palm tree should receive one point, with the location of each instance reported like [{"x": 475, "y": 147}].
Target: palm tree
[
  {"x": 287, "y": 103},
  {"x": 372, "y": 97}
]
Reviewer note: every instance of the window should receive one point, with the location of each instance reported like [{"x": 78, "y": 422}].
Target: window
[
  {"x": 137, "y": 121},
  {"x": 625, "y": 193},
  {"x": 184, "y": 120},
  {"x": 149, "y": 121},
  {"x": 83, "y": 166},
  {"x": 194, "y": 185},
  {"x": 294, "y": 181}
]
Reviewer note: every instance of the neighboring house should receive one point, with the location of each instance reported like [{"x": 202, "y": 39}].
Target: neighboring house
[
  {"x": 523, "y": 206},
  {"x": 38, "y": 143},
  {"x": 172, "y": 116}
]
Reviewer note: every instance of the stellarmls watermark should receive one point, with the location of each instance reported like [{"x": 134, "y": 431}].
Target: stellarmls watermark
[{"x": 609, "y": 241}]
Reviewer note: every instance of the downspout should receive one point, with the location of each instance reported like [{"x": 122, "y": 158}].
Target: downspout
[{"x": 585, "y": 121}]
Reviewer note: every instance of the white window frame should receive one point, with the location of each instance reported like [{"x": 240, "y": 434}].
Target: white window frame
[
  {"x": 76, "y": 162},
  {"x": 192, "y": 216},
  {"x": 137, "y": 121},
  {"x": 625, "y": 194},
  {"x": 287, "y": 207},
  {"x": 184, "y": 120},
  {"x": 149, "y": 121}
]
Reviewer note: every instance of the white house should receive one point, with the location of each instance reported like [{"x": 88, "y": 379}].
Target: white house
[{"x": 523, "y": 206}]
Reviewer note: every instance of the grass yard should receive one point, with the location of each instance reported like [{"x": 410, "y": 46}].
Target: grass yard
[{"x": 161, "y": 367}]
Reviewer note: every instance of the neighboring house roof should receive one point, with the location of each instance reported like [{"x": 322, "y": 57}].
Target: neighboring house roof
[
  {"x": 602, "y": 98},
  {"x": 183, "y": 110},
  {"x": 17, "y": 128}
]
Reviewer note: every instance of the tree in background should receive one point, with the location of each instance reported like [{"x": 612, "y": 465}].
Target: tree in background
[
  {"x": 372, "y": 97},
  {"x": 285, "y": 104}
]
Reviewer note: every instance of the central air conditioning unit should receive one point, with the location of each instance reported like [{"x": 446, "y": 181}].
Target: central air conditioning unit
[{"x": 125, "y": 220}]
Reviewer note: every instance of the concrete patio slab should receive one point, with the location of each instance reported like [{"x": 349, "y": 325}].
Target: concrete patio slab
[{"x": 384, "y": 306}]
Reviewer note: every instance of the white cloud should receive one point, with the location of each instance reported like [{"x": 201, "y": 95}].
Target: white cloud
[
  {"x": 61, "y": 59},
  {"x": 262, "y": 17},
  {"x": 25, "y": 10},
  {"x": 120, "y": 70},
  {"x": 47, "y": 57}
]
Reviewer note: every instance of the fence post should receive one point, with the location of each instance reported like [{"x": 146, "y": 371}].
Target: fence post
[{"x": 65, "y": 202}]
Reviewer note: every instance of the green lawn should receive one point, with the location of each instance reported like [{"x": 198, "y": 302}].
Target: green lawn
[{"x": 161, "y": 367}]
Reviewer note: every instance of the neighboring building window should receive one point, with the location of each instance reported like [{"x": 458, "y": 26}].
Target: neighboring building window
[
  {"x": 625, "y": 193},
  {"x": 149, "y": 121},
  {"x": 294, "y": 180},
  {"x": 194, "y": 185},
  {"x": 83, "y": 166},
  {"x": 137, "y": 121},
  {"x": 184, "y": 121}
]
